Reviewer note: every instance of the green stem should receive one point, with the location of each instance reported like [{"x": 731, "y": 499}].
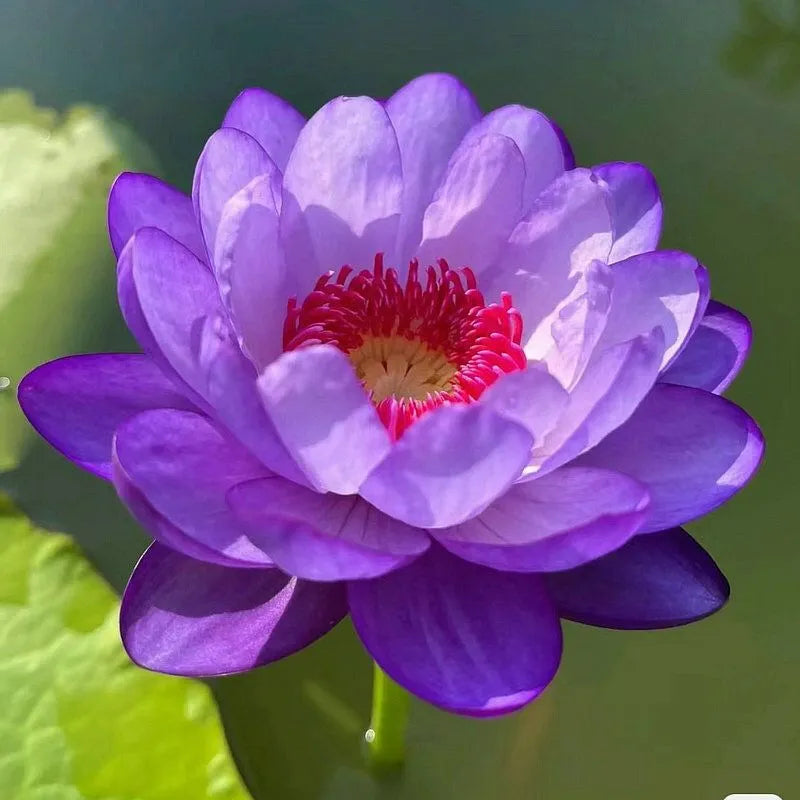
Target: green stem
[{"x": 386, "y": 737}]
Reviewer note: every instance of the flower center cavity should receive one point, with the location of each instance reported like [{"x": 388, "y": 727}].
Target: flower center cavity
[{"x": 415, "y": 345}]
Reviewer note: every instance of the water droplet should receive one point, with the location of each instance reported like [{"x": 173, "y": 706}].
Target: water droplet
[{"x": 369, "y": 736}]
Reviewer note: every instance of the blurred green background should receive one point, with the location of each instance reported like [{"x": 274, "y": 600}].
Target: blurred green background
[{"x": 708, "y": 96}]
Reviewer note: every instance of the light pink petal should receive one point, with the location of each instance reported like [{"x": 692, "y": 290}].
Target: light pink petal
[
  {"x": 251, "y": 270},
  {"x": 476, "y": 206},
  {"x": 542, "y": 144},
  {"x": 636, "y": 207},
  {"x": 430, "y": 115},
  {"x": 448, "y": 466},
  {"x": 269, "y": 119},
  {"x": 324, "y": 417},
  {"x": 343, "y": 190},
  {"x": 229, "y": 161}
]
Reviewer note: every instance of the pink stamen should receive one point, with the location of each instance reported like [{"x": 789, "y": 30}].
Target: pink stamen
[{"x": 448, "y": 314}]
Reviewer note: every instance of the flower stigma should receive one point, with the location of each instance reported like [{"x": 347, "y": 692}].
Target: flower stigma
[{"x": 415, "y": 345}]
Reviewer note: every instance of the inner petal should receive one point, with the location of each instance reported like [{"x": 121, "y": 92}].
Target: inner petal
[{"x": 417, "y": 345}]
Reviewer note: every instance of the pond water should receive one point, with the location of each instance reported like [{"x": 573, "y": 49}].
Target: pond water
[{"x": 708, "y": 96}]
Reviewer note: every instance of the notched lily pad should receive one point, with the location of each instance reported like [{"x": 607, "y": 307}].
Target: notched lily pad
[{"x": 79, "y": 721}]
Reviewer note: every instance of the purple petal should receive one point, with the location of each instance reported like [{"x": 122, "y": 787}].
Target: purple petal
[
  {"x": 342, "y": 189},
  {"x": 715, "y": 353},
  {"x": 269, "y": 119},
  {"x": 184, "y": 617},
  {"x": 324, "y": 417},
  {"x": 182, "y": 314},
  {"x": 610, "y": 390},
  {"x": 562, "y": 520},
  {"x": 448, "y": 466},
  {"x": 229, "y": 161},
  {"x": 430, "y": 116},
  {"x": 666, "y": 289},
  {"x": 542, "y": 144},
  {"x": 251, "y": 272},
  {"x": 323, "y": 537},
  {"x": 568, "y": 227},
  {"x": 183, "y": 467},
  {"x": 76, "y": 403},
  {"x": 656, "y": 581},
  {"x": 468, "y": 639},
  {"x": 142, "y": 201},
  {"x": 636, "y": 208},
  {"x": 693, "y": 450},
  {"x": 476, "y": 206},
  {"x": 532, "y": 398}
]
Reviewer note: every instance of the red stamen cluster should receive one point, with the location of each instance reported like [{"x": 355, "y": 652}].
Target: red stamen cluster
[{"x": 445, "y": 311}]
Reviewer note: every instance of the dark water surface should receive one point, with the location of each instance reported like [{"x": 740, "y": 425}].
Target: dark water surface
[{"x": 706, "y": 94}]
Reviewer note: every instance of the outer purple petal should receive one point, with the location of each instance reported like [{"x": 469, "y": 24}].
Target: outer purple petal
[
  {"x": 76, "y": 403},
  {"x": 715, "y": 353},
  {"x": 532, "y": 398},
  {"x": 184, "y": 617},
  {"x": 342, "y": 190},
  {"x": 562, "y": 520},
  {"x": 610, "y": 390},
  {"x": 323, "y": 537},
  {"x": 637, "y": 209},
  {"x": 567, "y": 228},
  {"x": 656, "y": 581},
  {"x": 469, "y": 639},
  {"x": 448, "y": 466},
  {"x": 183, "y": 467},
  {"x": 666, "y": 289},
  {"x": 182, "y": 314},
  {"x": 430, "y": 116},
  {"x": 229, "y": 161},
  {"x": 324, "y": 417},
  {"x": 269, "y": 119},
  {"x": 251, "y": 270},
  {"x": 693, "y": 450},
  {"x": 476, "y": 206},
  {"x": 142, "y": 201},
  {"x": 542, "y": 144}
]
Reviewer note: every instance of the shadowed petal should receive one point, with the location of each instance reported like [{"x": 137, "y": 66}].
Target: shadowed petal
[
  {"x": 531, "y": 397},
  {"x": 468, "y": 639},
  {"x": 448, "y": 466},
  {"x": 562, "y": 520},
  {"x": 229, "y": 161},
  {"x": 324, "y": 417},
  {"x": 76, "y": 403},
  {"x": 251, "y": 271},
  {"x": 667, "y": 289},
  {"x": 693, "y": 450},
  {"x": 183, "y": 467},
  {"x": 715, "y": 353},
  {"x": 342, "y": 190},
  {"x": 568, "y": 227},
  {"x": 656, "y": 581},
  {"x": 269, "y": 119},
  {"x": 543, "y": 146},
  {"x": 323, "y": 537},
  {"x": 476, "y": 206},
  {"x": 184, "y": 617},
  {"x": 143, "y": 201},
  {"x": 636, "y": 205},
  {"x": 430, "y": 116}
]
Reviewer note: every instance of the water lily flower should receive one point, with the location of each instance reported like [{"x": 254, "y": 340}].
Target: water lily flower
[{"x": 405, "y": 361}]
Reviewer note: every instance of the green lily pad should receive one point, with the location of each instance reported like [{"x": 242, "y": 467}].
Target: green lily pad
[
  {"x": 55, "y": 262},
  {"x": 79, "y": 721}
]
